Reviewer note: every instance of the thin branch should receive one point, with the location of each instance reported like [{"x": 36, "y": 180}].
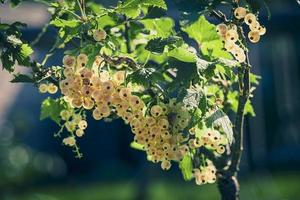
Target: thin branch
[{"x": 244, "y": 91}]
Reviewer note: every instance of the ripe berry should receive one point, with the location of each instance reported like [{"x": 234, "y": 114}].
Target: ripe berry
[
  {"x": 250, "y": 19},
  {"x": 99, "y": 35},
  {"x": 82, "y": 124},
  {"x": 43, "y": 88},
  {"x": 240, "y": 12},
  {"x": 79, "y": 132},
  {"x": 254, "y": 36},
  {"x": 52, "y": 89},
  {"x": 232, "y": 35},
  {"x": 69, "y": 61},
  {"x": 156, "y": 111},
  {"x": 222, "y": 29}
]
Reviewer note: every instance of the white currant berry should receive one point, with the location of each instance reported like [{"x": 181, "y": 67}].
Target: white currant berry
[
  {"x": 250, "y": 19},
  {"x": 43, "y": 88},
  {"x": 79, "y": 132},
  {"x": 222, "y": 29},
  {"x": 99, "y": 35},
  {"x": 240, "y": 12},
  {"x": 254, "y": 36},
  {"x": 82, "y": 124},
  {"x": 232, "y": 36},
  {"x": 52, "y": 89},
  {"x": 262, "y": 30},
  {"x": 69, "y": 61}
]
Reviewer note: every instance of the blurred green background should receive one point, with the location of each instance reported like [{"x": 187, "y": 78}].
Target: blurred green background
[{"x": 35, "y": 166}]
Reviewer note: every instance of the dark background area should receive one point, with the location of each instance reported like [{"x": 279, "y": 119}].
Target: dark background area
[{"x": 34, "y": 164}]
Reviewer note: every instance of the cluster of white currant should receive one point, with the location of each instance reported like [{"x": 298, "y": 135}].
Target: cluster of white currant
[
  {"x": 230, "y": 36},
  {"x": 75, "y": 125},
  {"x": 205, "y": 174},
  {"x": 256, "y": 30},
  {"x": 209, "y": 138},
  {"x": 160, "y": 133}
]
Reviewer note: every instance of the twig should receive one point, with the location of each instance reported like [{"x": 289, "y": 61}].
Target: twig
[{"x": 244, "y": 91}]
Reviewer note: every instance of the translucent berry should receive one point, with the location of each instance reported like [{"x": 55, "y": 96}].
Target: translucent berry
[
  {"x": 88, "y": 103},
  {"x": 220, "y": 149},
  {"x": 65, "y": 115},
  {"x": 99, "y": 35},
  {"x": 70, "y": 126},
  {"x": 262, "y": 30},
  {"x": 119, "y": 77},
  {"x": 82, "y": 124},
  {"x": 97, "y": 115},
  {"x": 43, "y": 88},
  {"x": 156, "y": 111},
  {"x": 125, "y": 93},
  {"x": 82, "y": 60},
  {"x": 69, "y": 61},
  {"x": 254, "y": 36},
  {"x": 79, "y": 132},
  {"x": 254, "y": 26},
  {"x": 240, "y": 12},
  {"x": 222, "y": 29},
  {"x": 165, "y": 165},
  {"x": 232, "y": 35},
  {"x": 77, "y": 102},
  {"x": 52, "y": 89},
  {"x": 250, "y": 19},
  {"x": 68, "y": 72},
  {"x": 69, "y": 141}
]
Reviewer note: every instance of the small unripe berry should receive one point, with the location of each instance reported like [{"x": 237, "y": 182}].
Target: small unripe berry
[{"x": 79, "y": 132}]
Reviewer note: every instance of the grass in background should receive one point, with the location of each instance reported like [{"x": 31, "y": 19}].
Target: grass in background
[{"x": 265, "y": 187}]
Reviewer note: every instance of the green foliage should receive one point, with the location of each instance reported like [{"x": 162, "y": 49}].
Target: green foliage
[
  {"x": 51, "y": 108},
  {"x": 133, "y": 8},
  {"x": 207, "y": 38},
  {"x": 22, "y": 78},
  {"x": 186, "y": 167},
  {"x": 157, "y": 45},
  {"x": 197, "y": 82},
  {"x": 219, "y": 119},
  {"x": 13, "y": 49}
]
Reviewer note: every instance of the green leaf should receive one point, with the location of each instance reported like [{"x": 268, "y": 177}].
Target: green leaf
[
  {"x": 207, "y": 38},
  {"x": 182, "y": 53},
  {"x": 157, "y": 45},
  {"x": 25, "y": 50},
  {"x": 186, "y": 167},
  {"x": 254, "y": 79},
  {"x": 22, "y": 78},
  {"x": 15, "y": 3},
  {"x": 143, "y": 76},
  {"x": 160, "y": 27},
  {"x": 64, "y": 23},
  {"x": 249, "y": 109},
  {"x": 192, "y": 97},
  {"x": 51, "y": 108},
  {"x": 220, "y": 119},
  {"x": 133, "y": 8}
]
